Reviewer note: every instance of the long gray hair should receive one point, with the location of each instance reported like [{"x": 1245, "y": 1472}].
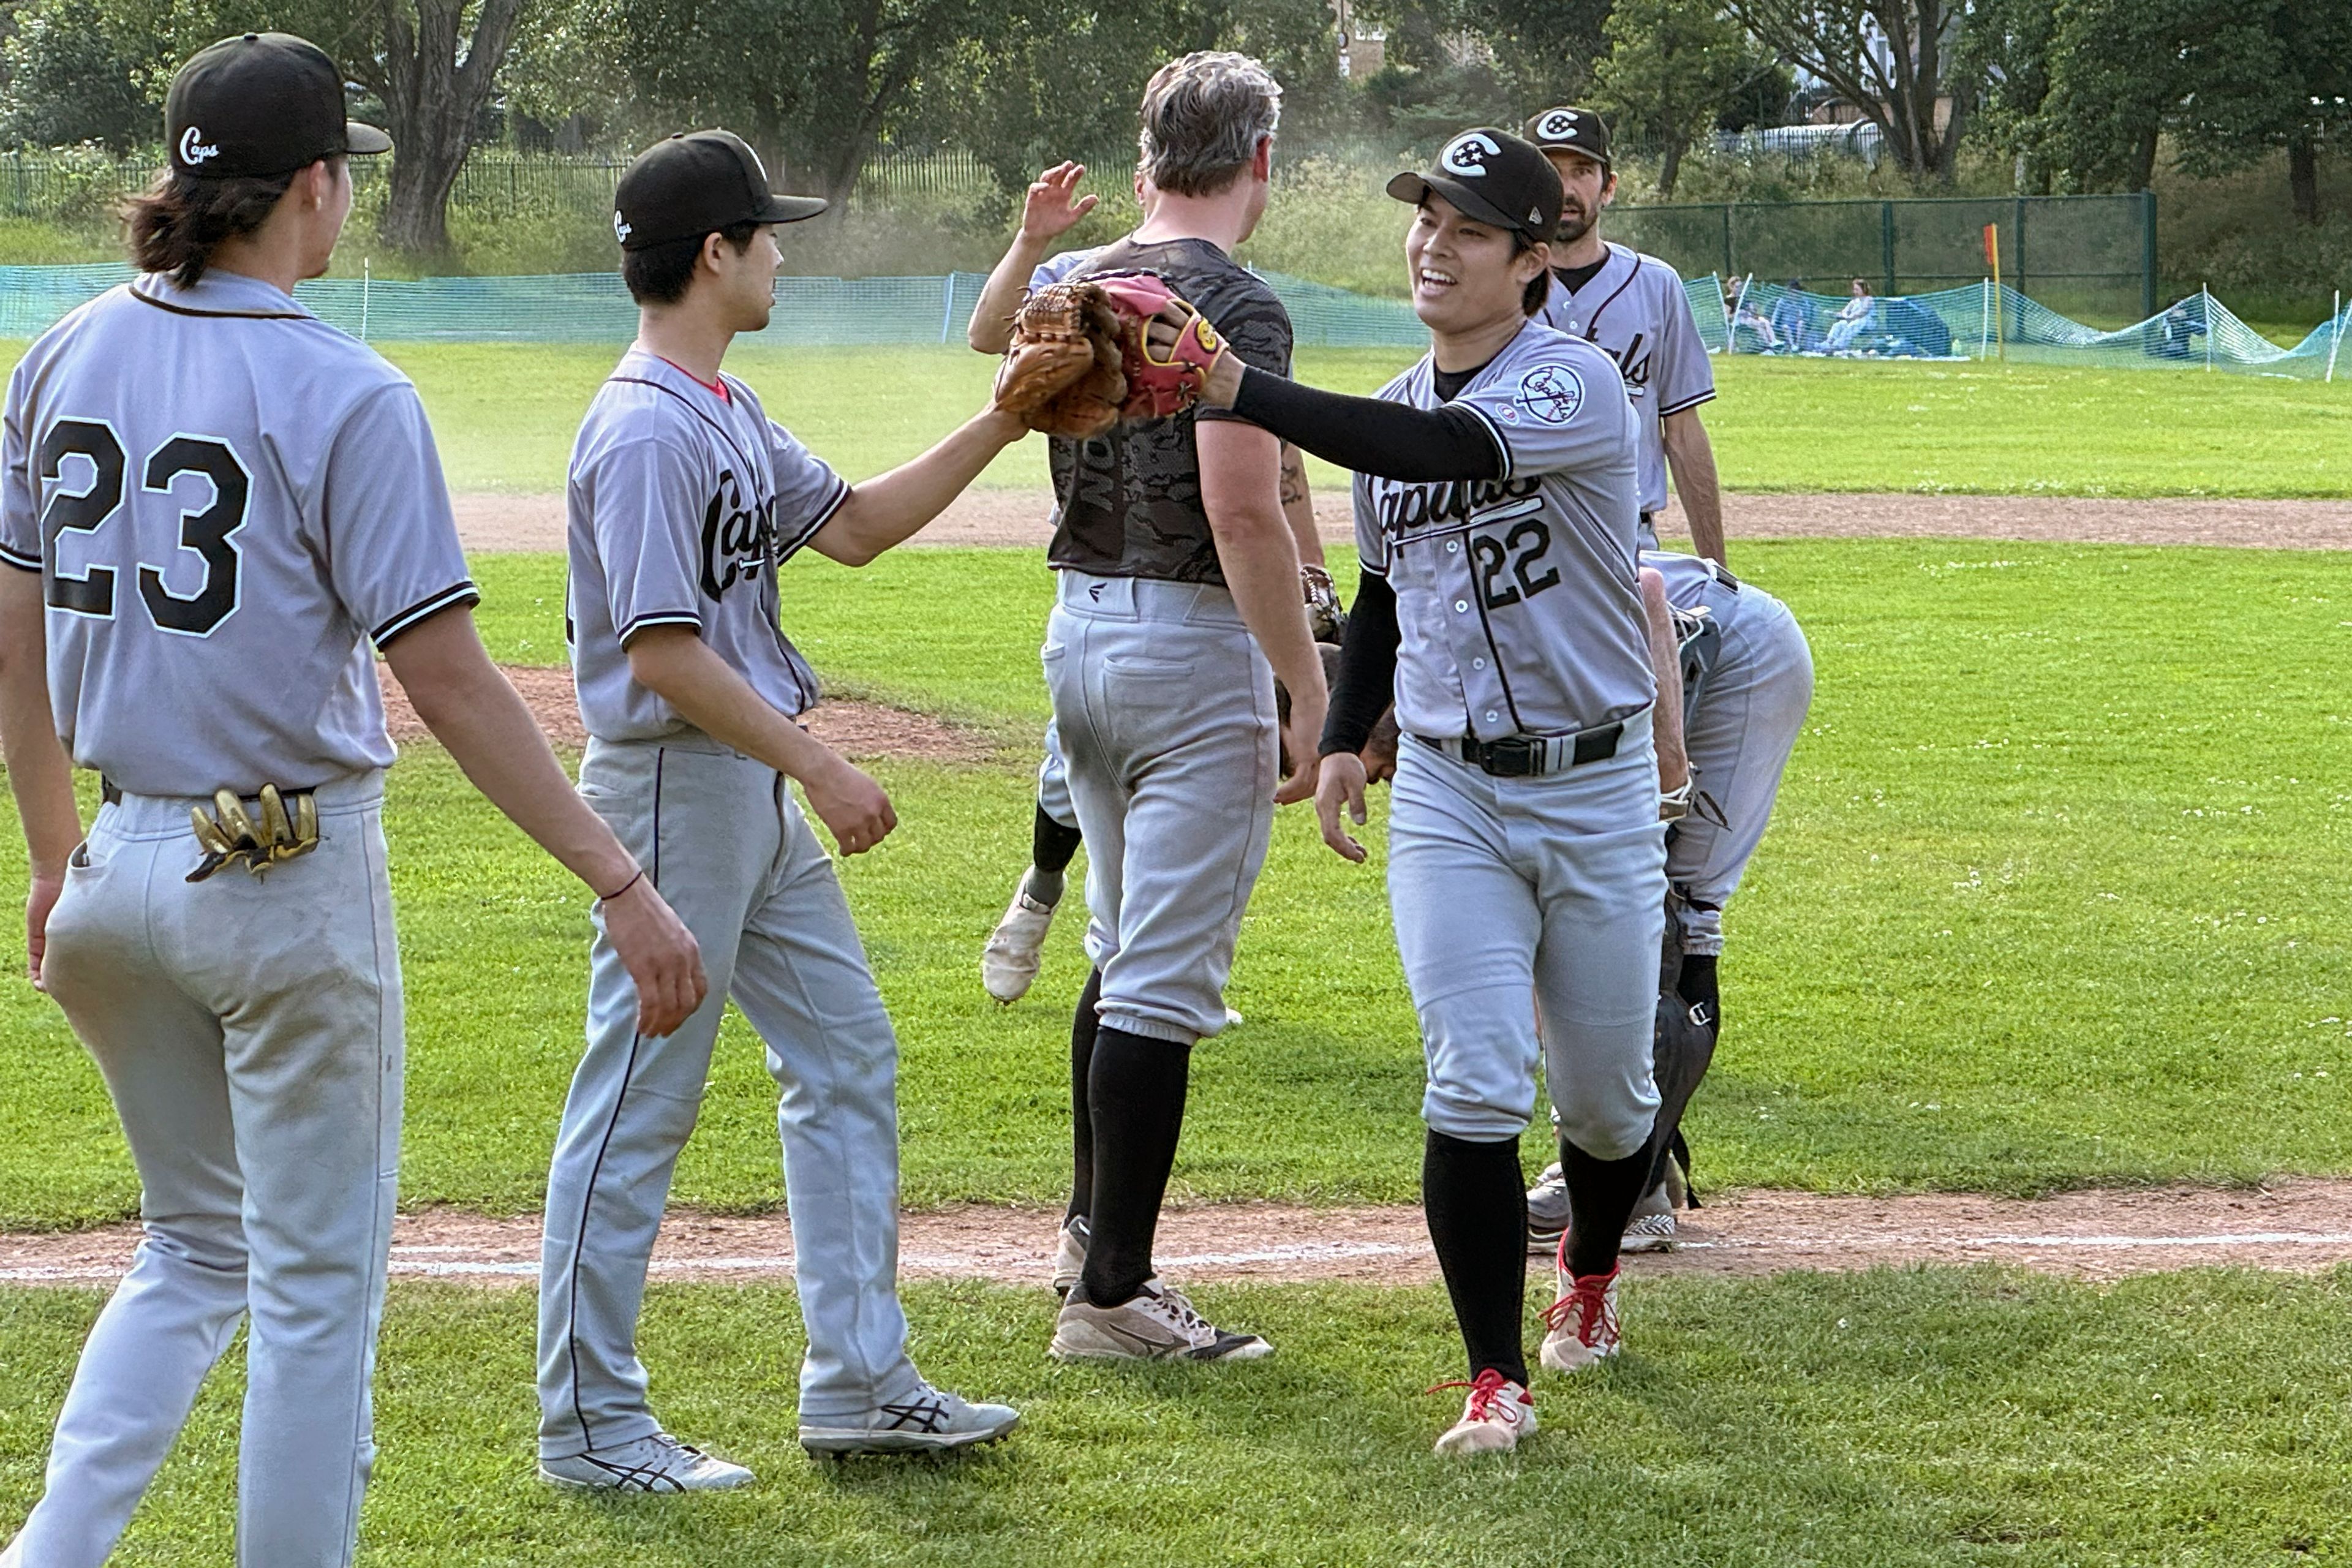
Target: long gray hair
[{"x": 1204, "y": 117}]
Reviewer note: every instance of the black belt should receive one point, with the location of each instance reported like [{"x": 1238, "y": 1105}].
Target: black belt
[
  {"x": 1531, "y": 756},
  {"x": 109, "y": 791}
]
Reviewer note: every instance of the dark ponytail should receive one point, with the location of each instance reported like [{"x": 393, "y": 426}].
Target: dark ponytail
[{"x": 177, "y": 223}]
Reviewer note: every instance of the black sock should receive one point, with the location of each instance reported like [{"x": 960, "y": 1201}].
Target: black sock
[
  {"x": 1135, "y": 1095},
  {"x": 1051, "y": 847},
  {"x": 1601, "y": 1198},
  {"x": 1697, "y": 986},
  {"x": 1476, "y": 1198},
  {"x": 1082, "y": 1025}
]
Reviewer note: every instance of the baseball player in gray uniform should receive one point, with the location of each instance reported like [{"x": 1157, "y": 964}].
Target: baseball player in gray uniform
[
  {"x": 1632, "y": 306},
  {"x": 1010, "y": 959},
  {"x": 1178, "y": 604},
  {"x": 684, "y": 499},
  {"x": 214, "y": 504},
  {"x": 1497, "y": 509}
]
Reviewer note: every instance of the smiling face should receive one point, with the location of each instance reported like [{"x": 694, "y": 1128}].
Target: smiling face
[
  {"x": 1585, "y": 187},
  {"x": 1464, "y": 273}
]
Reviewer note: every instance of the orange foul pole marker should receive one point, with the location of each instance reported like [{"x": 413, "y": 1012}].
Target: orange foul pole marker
[{"x": 1992, "y": 259}]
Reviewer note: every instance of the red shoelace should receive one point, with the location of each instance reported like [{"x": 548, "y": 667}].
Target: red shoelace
[
  {"x": 1488, "y": 1386},
  {"x": 1587, "y": 1301}
]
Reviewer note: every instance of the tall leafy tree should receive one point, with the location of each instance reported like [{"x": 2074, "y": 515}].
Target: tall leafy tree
[
  {"x": 72, "y": 76},
  {"x": 1672, "y": 66},
  {"x": 1892, "y": 60},
  {"x": 1066, "y": 84}
]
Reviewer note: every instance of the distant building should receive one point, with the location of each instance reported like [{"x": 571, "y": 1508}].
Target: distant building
[{"x": 1362, "y": 49}]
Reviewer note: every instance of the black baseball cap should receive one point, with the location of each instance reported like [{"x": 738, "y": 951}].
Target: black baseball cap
[
  {"x": 260, "y": 105},
  {"x": 697, "y": 183},
  {"x": 1493, "y": 176},
  {"x": 1571, "y": 129}
]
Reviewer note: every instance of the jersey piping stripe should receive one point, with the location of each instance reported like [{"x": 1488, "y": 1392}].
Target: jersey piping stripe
[
  {"x": 659, "y": 618},
  {"x": 1502, "y": 447},
  {"x": 1592, "y": 322},
  {"x": 229, "y": 315},
  {"x": 823, "y": 515},
  {"x": 21, "y": 563},
  {"x": 425, "y": 609}
]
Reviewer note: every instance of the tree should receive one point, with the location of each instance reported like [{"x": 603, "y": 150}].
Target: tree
[
  {"x": 1892, "y": 60},
  {"x": 1672, "y": 66},
  {"x": 813, "y": 84},
  {"x": 1066, "y": 84},
  {"x": 69, "y": 81}
]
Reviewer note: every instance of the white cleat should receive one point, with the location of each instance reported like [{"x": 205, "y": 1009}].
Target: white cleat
[
  {"x": 1008, "y": 965},
  {"x": 929, "y": 1421},
  {"x": 1070, "y": 1255},
  {"x": 1580, "y": 1327},
  {"x": 1159, "y": 1324},
  {"x": 1496, "y": 1417},
  {"x": 656, "y": 1464}
]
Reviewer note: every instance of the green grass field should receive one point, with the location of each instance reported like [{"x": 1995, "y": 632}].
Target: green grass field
[
  {"x": 505, "y": 416},
  {"x": 2053, "y": 895},
  {"x": 1885, "y": 1420}
]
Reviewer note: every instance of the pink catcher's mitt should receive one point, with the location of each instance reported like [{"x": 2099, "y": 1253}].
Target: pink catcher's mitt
[
  {"x": 1156, "y": 386},
  {"x": 1081, "y": 359}
]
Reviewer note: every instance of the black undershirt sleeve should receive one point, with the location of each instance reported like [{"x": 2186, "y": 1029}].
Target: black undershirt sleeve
[
  {"x": 1371, "y": 434},
  {"x": 1368, "y": 658}
]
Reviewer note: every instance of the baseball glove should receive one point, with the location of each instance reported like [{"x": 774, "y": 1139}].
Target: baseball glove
[
  {"x": 1081, "y": 359},
  {"x": 1325, "y": 619},
  {"x": 230, "y": 835}
]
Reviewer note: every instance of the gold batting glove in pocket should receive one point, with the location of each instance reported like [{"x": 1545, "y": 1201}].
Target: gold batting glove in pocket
[{"x": 231, "y": 834}]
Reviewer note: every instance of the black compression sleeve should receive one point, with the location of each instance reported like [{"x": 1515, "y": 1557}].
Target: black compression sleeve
[
  {"x": 1371, "y": 434},
  {"x": 1367, "y": 669}
]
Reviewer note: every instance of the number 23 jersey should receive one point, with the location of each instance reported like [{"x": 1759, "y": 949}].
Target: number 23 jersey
[
  {"x": 1517, "y": 603},
  {"x": 227, "y": 499}
]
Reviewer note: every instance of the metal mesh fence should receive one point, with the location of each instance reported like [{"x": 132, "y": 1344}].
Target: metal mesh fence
[
  {"x": 1973, "y": 323},
  {"x": 2086, "y": 256}
]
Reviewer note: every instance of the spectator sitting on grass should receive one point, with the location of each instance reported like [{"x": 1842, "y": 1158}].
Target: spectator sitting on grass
[
  {"x": 1788, "y": 321},
  {"x": 1852, "y": 319},
  {"x": 1744, "y": 317}
]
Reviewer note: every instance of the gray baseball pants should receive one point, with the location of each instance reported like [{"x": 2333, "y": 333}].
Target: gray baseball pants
[
  {"x": 250, "y": 1031},
  {"x": 1738, "y": 733},
  {"x": 1164, "y": 707},
  {"x": 723, "y": 840},
  {"x": 1554, "y": 886},
  {"x": 1054, "y": 781}
]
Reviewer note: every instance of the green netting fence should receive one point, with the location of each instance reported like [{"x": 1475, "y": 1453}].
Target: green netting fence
[{"x": 1976, "y": 321}]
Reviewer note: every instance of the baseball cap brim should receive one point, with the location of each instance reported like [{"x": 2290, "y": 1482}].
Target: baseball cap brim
[
  {"x": 361, "y": 137},
  {"x": 789, "y": 209},
  {"x": 1415, "y": 188}
]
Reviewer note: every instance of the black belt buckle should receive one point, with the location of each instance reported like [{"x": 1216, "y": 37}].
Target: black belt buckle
[
  {"x": 1597, "y": 745},
  {"x": 1512, "y": 757}
]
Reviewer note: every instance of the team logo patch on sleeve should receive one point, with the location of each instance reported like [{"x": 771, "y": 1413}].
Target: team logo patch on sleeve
[{"x": 1551, "y": 393}]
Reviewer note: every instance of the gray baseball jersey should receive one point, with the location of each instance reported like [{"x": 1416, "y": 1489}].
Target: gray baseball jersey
[
  {"x": 1053, "y": 269},
  {"x": 1517, "y": 598},
  {"x": 683, "y": 500},
  {"x": 1635, "y": 310},
  {"x": 225, "y": 499}
]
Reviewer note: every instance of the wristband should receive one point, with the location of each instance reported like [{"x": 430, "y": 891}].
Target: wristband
[{"x": 608, "y": 897}]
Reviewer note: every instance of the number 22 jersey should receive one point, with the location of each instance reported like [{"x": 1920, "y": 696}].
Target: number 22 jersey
[
  {"x": 227, "y": 501},
  {"x": 1517, "y": 603}
]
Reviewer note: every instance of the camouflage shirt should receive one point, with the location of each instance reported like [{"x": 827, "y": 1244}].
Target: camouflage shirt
[{"x": 1129, "y": 504}]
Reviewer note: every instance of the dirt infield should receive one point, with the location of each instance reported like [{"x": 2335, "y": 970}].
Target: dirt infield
[
  {"x": 1010, "y": 517},
  {"x": 856, "y": 729},
  {"x": 2299, "y": 1226}
]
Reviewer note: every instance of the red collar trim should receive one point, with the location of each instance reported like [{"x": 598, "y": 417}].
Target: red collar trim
[{"x": 718, "y": 387}]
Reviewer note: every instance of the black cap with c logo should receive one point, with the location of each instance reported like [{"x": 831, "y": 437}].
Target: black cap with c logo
[
  {"x": 1493, "y": 177},
  {"x": 1565, "y": 129},
  {"x": 260, "y": 105},
  {"x": 697, "y": 184}
]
